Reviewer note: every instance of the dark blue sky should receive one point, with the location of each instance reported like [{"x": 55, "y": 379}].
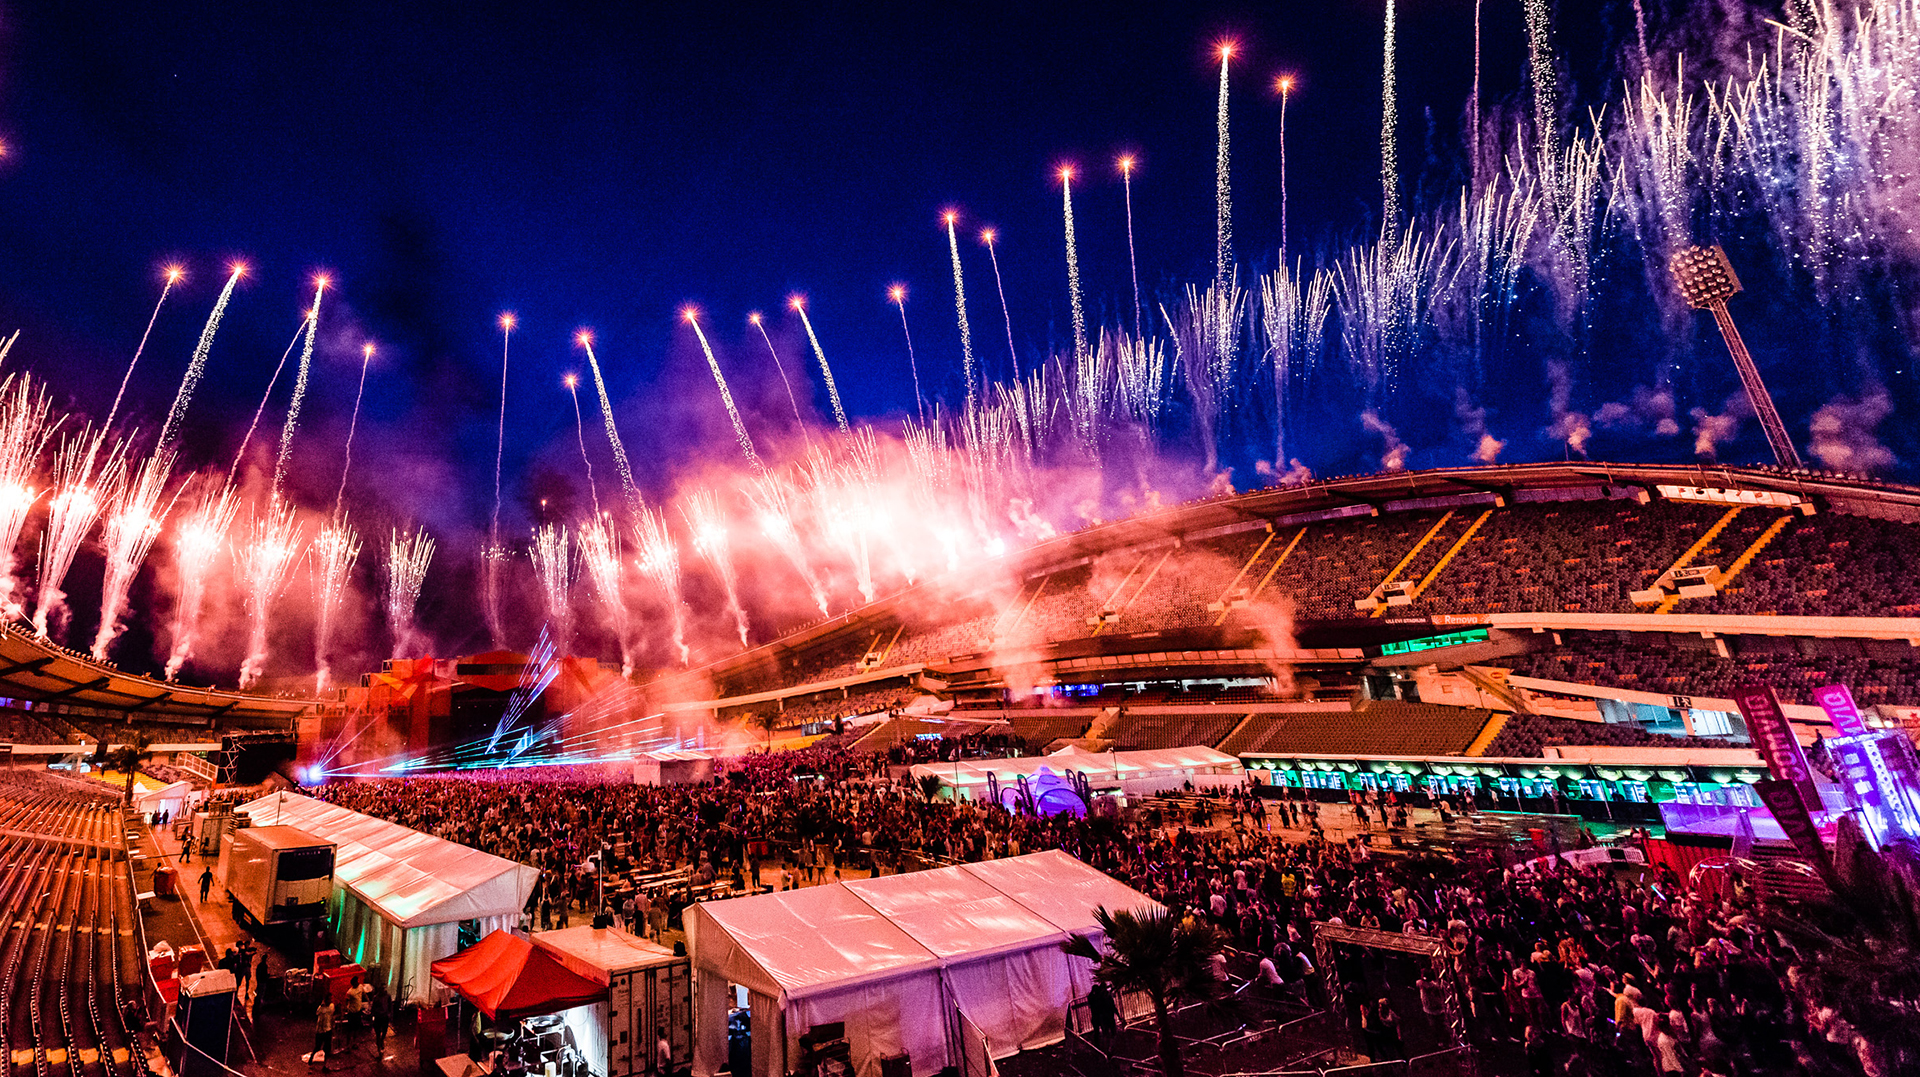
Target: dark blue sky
[{"x": 595, "y": 165}]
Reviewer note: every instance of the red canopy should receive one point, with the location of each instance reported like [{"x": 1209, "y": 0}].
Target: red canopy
[{"x": 509, "y": 978}]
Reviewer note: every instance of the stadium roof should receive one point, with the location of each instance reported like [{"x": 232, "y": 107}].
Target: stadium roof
[{"x": 42, "y": 672}]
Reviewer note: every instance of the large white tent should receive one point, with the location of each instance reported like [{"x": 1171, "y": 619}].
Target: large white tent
[
  {"x": 1134, "y": 773},
  {"x": 907, "y": 962},
  {"x": 399, "y": 895}
]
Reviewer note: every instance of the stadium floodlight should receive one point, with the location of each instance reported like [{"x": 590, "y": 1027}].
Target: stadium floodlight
[{"x": 1707, "y": 281}]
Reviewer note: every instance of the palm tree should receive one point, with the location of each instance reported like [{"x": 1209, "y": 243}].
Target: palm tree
[
  {"x": 930, "y": 786},
  {"x": 128, "y": 756},
  {"x": 1166, "y": 959}
]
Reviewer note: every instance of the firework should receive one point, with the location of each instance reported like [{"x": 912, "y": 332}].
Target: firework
[
  {"x": 1206, "y": 342},
  {"x": 799, "y": 305},
  {"x": 234, "y": 471},
  {"x": 346, "y": 465},
  {"x": 659, "y": 561},
  {"x": 897, "y": 295},
  {"x": 173, "y": 275},
  {"x": 987, "y": 237},
  {"x": 202, "y": 536},
  {"x": 708, "y": 527},
  {"x": 197, "y": 365},
  {"x": 335, "y": 550},
  {"x": 1222, "y": 182},
  {"x": 24, "y": 431},
  {"x": 580, "y": 431},
  {"x": 79, "y": 493},
  {"x": 1283, "y": 84},
  {"x": 600, "y": 555},
  {"x": 960, "y": 311},
  {"x": 133, "y": 522},
  {"x": 760, "y": 323},
  {"x": 1294, "y": 318},
  {"x": 507, "y": 322},
  {"x": 1546, "y": 108},
  {"x": 299, "y": 389},
  {"x": 1073, "y": 266},
  {"x": 692, "y": 317},
  {"x": 1389, "y": 136},
  {"x": 1133, "y": 262},
  {"x": 634, "y": 500},
  {"x": 770, "y": 498},
  {"x": 266, "y": 562},
  {"x": 408, "y": 556},
  {"x": 1473, "y": 103},
  {"x": 553, "y": 566}
]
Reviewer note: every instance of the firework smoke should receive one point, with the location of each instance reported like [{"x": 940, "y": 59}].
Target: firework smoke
[
  {"x": 335, "y": 550},
  {"x": 133, "y": 522},
  {"x": 726, "y": 394},
  {"x": 987, "y": 237},
  {"x": 799, "y": 305},
  {"x": 266, "y": 562},
  {"x": 1843, "y": 437},
  {"x": 769, "y": 496},
  {"x": 201, "y": 539},
  {"x": 299, "y": 390},
  {"x": 173, "y": 275},
  {"x": 1222, "y": 182},
  {"x": 79, "y": 493},
  {"x": 580, "y": 431},
  {"x": 553, "y": 566},
  {"x": 24, "y": 431},
  {"x": 960, "y": 310},
  {"x": 1073, "y": 266},
  {"x": 634, "y": 501},
  {"x": 197, "y": 365},
  {"x": 659, "y": 561},
  {"x": 408, "y": 556},
  {"x": 1393, "y": 451},
  {"x": 708, "y": 526}
]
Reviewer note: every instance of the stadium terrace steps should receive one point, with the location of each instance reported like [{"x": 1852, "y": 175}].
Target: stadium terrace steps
[
  {"x": 1136, "y": 730},
  {"x": 1384, "y": 728},
  {"x": 1487, "y": 734}
]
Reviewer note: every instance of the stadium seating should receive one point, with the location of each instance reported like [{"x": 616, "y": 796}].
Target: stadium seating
[
  {"x": 1526, "y": 735},
  {"x": 1878, "y": 671},
  {"x": 1381, "y": 728}
]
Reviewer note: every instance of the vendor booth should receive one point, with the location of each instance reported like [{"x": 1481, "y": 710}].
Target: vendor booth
[
  {"x": 171, "y": 798},
  {"x": 1132, "y": 773},
  {"x": 925, "y": 967},
  {"x": 520, "y": 989},
  {"x": 648, "y": 989},
  {"x": 400, "y": 896},
  {"x": 674, "y": 766}
]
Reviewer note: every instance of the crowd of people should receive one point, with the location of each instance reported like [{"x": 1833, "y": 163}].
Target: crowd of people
[{"x": 1582, "y": 971}]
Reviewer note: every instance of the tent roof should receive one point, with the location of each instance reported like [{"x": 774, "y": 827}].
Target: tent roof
[
  {"x": 800, "y": 942},
  {"x": 509, "y": 978},
  {"x": 599, "y": 952},
  {"x": 1097, "y": 766},
  {"x": 410, "y": 878}
]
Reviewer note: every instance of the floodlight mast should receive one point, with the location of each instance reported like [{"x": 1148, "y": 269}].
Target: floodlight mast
[{"x": 1707, "y": 280}]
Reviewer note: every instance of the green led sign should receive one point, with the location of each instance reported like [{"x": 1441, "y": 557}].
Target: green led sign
[{"x": 1428, "y": 643}]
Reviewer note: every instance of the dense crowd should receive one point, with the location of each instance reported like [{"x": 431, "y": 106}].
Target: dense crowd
[{"x": 1582, "y": 971}]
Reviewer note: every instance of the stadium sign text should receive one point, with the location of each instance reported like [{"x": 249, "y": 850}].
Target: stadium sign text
[
  {"x": 1729, "y": 497},
  {"x": 1428, "y": 643}
]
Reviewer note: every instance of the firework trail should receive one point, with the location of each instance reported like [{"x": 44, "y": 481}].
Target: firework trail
[
  {"x": 203, "y": 535},
  {"x": 726, "y": 395},
  {"x": 1546, "y": 107},
  {"x": 1473, "y": 102},
  {"x": 408, "y": 556},
  {"x": 133, "y": 522},
  {"x": 987, "y": 237},
  {"x": 708, "y": 525},
  {"x": 799, "y": 304},
  {"x": 1294, "y": 319},
  {"x": 1073, "y": 266},
  {"x": 197, "y": 365},
  {"x": 769, "y": 496},
  {"x": 78, "y": 496},
  {"x": 366, "y": 358},
  {"x": 173, "y": 275},
  {"x": 580, "y": 430},
  {"x": 335, "y": 550},
  {"x": 1222, "y": 183},
  {"x": 760, "y": 324},
  {"x": 24, "y": 431},
  {"x": 553, "y": 565},
  {"x": 1133, "y": 263},
  {"x": 897, "y": 295},
  {"x": 634, "y": 500},
  {"x": 299, "y": 390},
  {"x": 1142, "y": 375},
  {"x": 1640, "y": 33},
  {"x": 1285, "y": 85},
  {"x": 1389, "y": 138},
  {"x": 659, "y": 561},
  {"x": 500, "y": 437},
  {"x": 240, "y": 456},
  {"x": 1206, "y": 341},
  {"x": 839, "y": 503},
  {"x": 960, "y": 310},
  {"x": 600, "y": 554},
  {"x": 266, "y": 563}
]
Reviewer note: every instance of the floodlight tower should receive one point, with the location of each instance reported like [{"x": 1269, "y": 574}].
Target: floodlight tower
[{"x": 1707, "y": 280}]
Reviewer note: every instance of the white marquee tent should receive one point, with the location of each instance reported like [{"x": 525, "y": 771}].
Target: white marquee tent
[
  {"x": 399, "y": 895},
  {"x": 1134, "y": 773},
  {"x": 906, "y": 961}
]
